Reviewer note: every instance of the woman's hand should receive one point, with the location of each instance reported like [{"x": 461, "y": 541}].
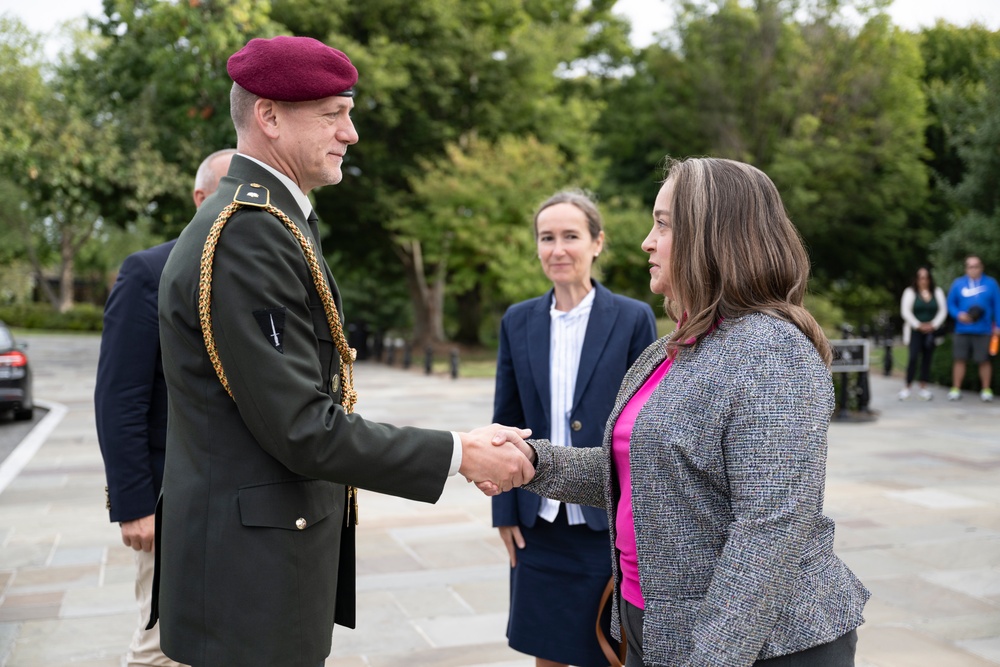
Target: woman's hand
[{"x": 511, "y": 535}]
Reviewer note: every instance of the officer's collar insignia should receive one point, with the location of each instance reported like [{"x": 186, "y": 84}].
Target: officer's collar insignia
[
  {"x": 252, "y": 194},
  {"x": 272, "y": 324}
]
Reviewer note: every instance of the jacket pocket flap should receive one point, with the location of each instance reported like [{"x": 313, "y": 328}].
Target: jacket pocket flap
[{"x": 293, "y": 505}]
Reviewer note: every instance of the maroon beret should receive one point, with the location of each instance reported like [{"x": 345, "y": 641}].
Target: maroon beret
[{"x": 292, "y": 69}]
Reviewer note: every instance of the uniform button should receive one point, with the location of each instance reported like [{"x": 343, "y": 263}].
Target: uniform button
[
  {"x": 300, "y": 523},
  {"x": 576, "y": 425},
  {"x": 335, "y": 383}
]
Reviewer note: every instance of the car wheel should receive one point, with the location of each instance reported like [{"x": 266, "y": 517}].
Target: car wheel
[{"x": 24, "y": 415}]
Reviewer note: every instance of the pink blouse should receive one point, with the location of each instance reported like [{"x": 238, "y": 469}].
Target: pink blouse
[{"x": 624, "y": 521}]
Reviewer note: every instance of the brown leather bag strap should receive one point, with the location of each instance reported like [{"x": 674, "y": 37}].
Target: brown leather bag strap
[{"x": 615, "y": 659}]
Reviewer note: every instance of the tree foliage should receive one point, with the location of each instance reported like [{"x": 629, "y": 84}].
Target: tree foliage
[
  {"x": 471, "y": 230},
  {"x": 159, "y": 71},
  {"x": 881, "y": 141},
  {"x": 975, "y": 225},
  {"x": 450, "y": 73},
  {"x": 68, "y": 162},
  {"x": 834, "y": 113}
]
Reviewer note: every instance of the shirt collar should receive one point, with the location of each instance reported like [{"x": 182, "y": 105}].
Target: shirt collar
[
  {"x": 586, "y": 303},
  {"x": 300, "y": 197}
]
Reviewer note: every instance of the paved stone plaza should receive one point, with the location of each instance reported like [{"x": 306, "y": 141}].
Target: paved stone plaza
[{"x": 915, "y": 495}]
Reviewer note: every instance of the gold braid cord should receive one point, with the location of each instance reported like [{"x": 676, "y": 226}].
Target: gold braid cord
[{"x": 348, "y": 395}]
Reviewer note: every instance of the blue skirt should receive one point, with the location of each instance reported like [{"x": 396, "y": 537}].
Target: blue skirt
[{"x": 555, "y": 592}]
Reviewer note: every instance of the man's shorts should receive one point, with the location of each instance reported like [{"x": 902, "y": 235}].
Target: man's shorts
[{"x": 976, "y": 345}]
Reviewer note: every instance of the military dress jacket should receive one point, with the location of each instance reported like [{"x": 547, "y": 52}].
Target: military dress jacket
[
  {"x": 618, "y": 330},
  {"x": 728, "y": 469},
  {"x": 255, "y": 558}
]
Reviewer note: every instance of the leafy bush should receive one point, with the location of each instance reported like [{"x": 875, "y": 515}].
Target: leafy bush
[
  {"x": 941, "y": 369},
  {"x": 829, "y": 315},
  {"x": 82, "y": 317}
]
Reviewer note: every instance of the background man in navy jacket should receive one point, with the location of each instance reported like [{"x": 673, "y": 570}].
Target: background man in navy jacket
[{"x": 131, "y": 408}]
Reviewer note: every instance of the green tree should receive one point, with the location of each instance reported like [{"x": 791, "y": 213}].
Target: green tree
[
  {"x": 448, "y": 72},
  {"x": 852, "y": 168},
  {"x": 724, "y": 82},
  {"x": 976, "y": 198},
  {"x": 69, "y": 165},
  {"x": 470, "y": 235},
  {"x": 158, "y": 69},
  {"x": 624, "y": 266},
  {"x": 835, "y": 113},
  {"x": 956, "y": 60}
]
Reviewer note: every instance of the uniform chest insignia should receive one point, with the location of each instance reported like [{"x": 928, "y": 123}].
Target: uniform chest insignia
[{"x": 272, "y": 324}]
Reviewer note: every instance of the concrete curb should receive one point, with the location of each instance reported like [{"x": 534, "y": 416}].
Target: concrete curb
[{"x": 18, "y": 458}]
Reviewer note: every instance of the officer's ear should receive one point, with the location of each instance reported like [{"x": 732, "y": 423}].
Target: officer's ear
[
  {"x": 199, "y": 195},
  {"x": 265, "y": 115}
]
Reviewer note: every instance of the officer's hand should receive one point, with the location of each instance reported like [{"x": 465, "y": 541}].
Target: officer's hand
[
  {"x": 495, "y": 454},
  {"x": 139, "y": 533}
]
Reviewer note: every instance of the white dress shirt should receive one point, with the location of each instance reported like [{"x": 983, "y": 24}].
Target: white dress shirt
[{"x": 566, "y": 333}]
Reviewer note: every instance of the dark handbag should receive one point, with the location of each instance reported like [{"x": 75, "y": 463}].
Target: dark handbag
[{"x": 616, "y": 658}]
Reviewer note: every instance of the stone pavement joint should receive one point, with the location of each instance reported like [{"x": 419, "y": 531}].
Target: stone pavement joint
[{"x": 914, "y": 494}]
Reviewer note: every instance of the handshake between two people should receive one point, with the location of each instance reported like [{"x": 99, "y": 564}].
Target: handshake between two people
[{"x": 497, "y": 458}]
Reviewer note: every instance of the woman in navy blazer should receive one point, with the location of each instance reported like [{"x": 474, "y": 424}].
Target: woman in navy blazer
[
  {"x": 566, "y": 350},
  {"x": 713, "y": 467}
]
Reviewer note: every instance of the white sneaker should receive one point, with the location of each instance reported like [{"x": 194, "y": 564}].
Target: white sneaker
[
  {"x": 926, "y": 394},
  {"x": 986, "y": 395},
  {"x": 954, "y": 394},
  {"x": 904, "y": 394}
]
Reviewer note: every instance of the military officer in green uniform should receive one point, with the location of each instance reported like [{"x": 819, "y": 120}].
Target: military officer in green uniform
[{"x": 255, "y": 549}]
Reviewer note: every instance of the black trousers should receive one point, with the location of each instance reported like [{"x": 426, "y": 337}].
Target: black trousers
[
  {"x": 921, "y": 349},
  {"x": 838, "y": 653}
]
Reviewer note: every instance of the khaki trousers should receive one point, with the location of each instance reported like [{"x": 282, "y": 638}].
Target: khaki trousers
[{"x": 144, "y": 651}]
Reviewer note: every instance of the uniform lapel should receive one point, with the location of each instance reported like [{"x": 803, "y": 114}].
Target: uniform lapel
[
  {"x": 537, "y": 337},
  {"x": 313, "y": 222},
  {"x": 599, "y": 326}
]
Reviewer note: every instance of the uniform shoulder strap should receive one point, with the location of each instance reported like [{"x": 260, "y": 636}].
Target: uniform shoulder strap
[{"x": 252, "y": 194}]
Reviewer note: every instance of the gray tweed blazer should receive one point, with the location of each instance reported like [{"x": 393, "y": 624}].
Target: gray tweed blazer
[{"x": 728, "y": 465}]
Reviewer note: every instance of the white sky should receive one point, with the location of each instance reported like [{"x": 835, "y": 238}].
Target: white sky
[
  {"x": 651, "y": 16},
  {"x": 648, "y": 16}
]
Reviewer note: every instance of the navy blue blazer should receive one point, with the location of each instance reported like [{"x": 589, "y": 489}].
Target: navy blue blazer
[
  {"x": 130, "y": 396},
  {"x": 618, "y": 331}
]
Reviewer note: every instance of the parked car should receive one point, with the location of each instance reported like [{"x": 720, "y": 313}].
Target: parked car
[{"x": 15, "y": 376}]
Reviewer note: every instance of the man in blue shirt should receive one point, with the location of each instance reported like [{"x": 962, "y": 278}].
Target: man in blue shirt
[{"x": 974, "y": 303}]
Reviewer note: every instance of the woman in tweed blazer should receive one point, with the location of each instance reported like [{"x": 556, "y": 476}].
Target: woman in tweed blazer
[{"x": 714, "y": 459}]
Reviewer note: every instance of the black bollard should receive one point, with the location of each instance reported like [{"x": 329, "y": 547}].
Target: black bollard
[
  {"x": 887, "y": 357},
  {"x": 864, "y": 393},
  {"x": 407, "y": 355},
  {"x": 845, "y": 395},
  {"x": 428, "y": 360},
  {"x": 454, "y": 363},
  {"x": 390, "y": 353}
]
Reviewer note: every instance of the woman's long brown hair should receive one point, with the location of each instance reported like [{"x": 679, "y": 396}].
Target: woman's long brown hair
[{"x": 734, "y": 252}]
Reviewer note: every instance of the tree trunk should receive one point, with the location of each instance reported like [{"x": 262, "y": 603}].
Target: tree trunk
[
  {"x": 427, "y": 300},
  {"x": 36, "y": 265},
  {"x": 66, "y": 253},
  {"x": 470, "y": 316}
]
